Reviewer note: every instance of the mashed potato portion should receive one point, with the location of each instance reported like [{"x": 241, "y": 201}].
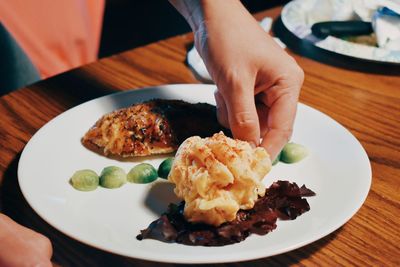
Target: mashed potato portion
[{"x": 217, "y": 176}]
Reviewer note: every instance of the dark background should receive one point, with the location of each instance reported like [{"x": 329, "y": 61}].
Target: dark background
[{"x": 132, "y": 23}]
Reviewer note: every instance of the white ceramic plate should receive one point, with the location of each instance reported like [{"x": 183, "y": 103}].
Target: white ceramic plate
[
  {"x": 295, "y": 17},
  {"x": 338, "y": 170}
]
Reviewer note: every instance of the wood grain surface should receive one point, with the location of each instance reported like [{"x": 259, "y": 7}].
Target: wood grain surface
[{"x": 366, "y": 102}]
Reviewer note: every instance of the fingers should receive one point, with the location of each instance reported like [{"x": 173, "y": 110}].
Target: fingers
[
  {"x": 262, "y": 112},
  {"x": 274, "y": 141},
  {"x": 281, "y": 98},
  {"x": 222, "y": 112},
  {"x": 241, "y": 111},
  {"x": 281, "y": 115}
]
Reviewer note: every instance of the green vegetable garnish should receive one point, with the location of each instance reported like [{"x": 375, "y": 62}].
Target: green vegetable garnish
[
  {"x": 85, "y": 180},
  {"x": 142, "y": 173},
  {"x": 292, "y": 153},
  {"x": 112, "y": 177},
  {"x": 165, "y": 168}
]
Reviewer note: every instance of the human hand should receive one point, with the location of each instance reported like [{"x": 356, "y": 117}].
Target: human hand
[
  {"x": 20, "y": 246},
  {"x": 258, "y": 82}
]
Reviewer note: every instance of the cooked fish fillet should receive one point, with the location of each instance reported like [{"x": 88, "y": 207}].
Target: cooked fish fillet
[{"x": 153, "y": 127}]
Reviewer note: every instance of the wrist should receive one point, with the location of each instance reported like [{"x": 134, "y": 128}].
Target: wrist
[
  {"x": 198, "y": 12},
  {"x": 191, "y": 10}
]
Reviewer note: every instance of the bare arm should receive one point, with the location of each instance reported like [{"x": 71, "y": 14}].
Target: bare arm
[
  {"x": 20, "y": 246},
  {"x": 258, "y": 82}
]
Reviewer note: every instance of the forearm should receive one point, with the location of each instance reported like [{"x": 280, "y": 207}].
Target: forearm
[
  {"x": 212, "y": 20},
  {"x": 198, "y": 12}
]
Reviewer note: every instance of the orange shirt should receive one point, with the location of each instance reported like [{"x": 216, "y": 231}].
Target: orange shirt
[{"x": 57, "y": 35}]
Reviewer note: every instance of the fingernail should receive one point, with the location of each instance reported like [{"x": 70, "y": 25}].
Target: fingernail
[{"x": 253, "y": 145}]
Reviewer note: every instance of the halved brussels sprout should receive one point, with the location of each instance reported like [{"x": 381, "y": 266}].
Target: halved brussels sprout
[
  {"x": 165, "y": 168},
  {"x": 142, "y": 173},
  {"x": 112, "y": 177},
  {"x": 85, "y": 180},
  {"x": 293, "y": 152}
]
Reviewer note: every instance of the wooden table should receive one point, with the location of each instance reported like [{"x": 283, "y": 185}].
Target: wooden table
[{"x": 366, "y": 104}]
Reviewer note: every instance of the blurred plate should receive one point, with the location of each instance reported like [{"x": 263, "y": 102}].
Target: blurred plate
[
  {"x": 338, "y": 170},
  {"x": 295, "y": 18}
]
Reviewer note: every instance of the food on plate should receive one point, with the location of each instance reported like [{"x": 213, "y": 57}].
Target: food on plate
[
  {"x": 369, "y": 39},
  {"x": 142, "y": 173},
  {"x": 154, "y": 127},
  {"x": 165, "y": 168},
  {"x": 84, "y": 180},
  {"x": 220, "y": 181},
  {"x": 217, "y": 176},
  {"x": 282, "y": 200},
  {"x": 112, "y": 177},
  {"x": 292, "y": 153}
]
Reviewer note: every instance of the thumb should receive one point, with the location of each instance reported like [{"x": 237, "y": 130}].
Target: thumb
[{"x": 242, "y": 112}]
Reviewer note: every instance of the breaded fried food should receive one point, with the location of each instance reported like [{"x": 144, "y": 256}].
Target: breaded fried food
[
  {"x": 217, "y": 176},
  {"x": 154, "y": 127}
]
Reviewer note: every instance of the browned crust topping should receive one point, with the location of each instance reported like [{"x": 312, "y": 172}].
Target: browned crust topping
[{"x": 153, "y": 127}]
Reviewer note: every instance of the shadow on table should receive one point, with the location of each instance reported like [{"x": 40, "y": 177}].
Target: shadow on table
[
  {"x": 307, "y": 49},
  {"x": 69, "y": 252},
  {"x": 73, "y": 87}
]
